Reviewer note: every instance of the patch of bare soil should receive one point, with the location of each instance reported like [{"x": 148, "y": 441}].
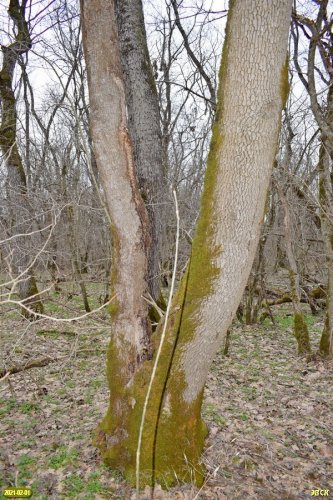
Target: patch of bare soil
[{"x": 270, "y": 415}]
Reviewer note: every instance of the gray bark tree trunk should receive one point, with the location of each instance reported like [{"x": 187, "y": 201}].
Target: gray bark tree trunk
[{"x": 252, "y": 92}]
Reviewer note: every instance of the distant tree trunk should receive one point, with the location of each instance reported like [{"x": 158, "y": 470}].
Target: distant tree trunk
[
  {"x": 300, "y": 327},
  {"x": 321, "y": 45},
  {"x": 243, "y": 148},
  {"x": 144, "y": 126},
  {"x": 16, "y": 178},
  {"x": 73, "y": 239},
  {"x": 72, "y": 236},
  {"x": 326, "y": 216},
  {"x": 255, "y": 286}
]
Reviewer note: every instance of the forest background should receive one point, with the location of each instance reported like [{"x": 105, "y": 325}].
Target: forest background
[{"x": 56, "y": 258}]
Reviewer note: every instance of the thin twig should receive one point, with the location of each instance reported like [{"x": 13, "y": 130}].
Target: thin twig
[{"x": 52, "y": 318}]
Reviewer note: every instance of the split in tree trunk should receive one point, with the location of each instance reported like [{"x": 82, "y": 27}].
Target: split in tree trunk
[{"x": 232, "y": 208}]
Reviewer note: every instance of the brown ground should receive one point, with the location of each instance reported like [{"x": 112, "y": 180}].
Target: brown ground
[{"x": 270, "y": 414}]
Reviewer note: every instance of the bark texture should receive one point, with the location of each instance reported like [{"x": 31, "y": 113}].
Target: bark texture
[
  {"x": 143, "y": 125},
  {"x": 245, "y": 137},
  {"x": 114, "y": 157},
  {"x": 252, "y": 92}
]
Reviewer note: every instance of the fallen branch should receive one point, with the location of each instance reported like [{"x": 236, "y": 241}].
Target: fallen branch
[
  {"x": 312, "y": 297},
  {"x": 36, "y": 363},
  {"x": 5, "y": 376}
]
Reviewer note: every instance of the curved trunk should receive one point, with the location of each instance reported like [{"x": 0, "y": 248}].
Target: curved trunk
[
  {"x": 244, "y": 143},
  {"x": 114, "y": 158},
  {"x": 326, "y": 216}
]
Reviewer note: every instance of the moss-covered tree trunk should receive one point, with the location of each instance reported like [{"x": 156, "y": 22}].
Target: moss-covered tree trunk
[
  {"x": 300, "y": 327},
  {"x": 16, "y": 185},
  {"x": 252, "y": 92},
  {"x": 326, "y": 340}
]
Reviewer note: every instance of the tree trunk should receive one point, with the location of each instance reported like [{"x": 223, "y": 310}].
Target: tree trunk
[
  {"x": 73, "y": 244},
  {"x": 326, "y": 341},
  {"x": 114, "y": 158},
  {"x": 300, "y": 327},
  {"x": 255, "y": 286},
  {"x": 144, "y": 126},
  {"x": 16, "y": 178},
  {"x": 244, "y": 143},
  {"x": 326, "y": 216}
]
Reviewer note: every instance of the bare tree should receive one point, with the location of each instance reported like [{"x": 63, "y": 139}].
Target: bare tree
[{"x": 238, "y": 171}]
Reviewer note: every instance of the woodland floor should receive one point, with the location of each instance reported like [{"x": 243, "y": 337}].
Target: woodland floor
[{"x": 270, "y": 414}]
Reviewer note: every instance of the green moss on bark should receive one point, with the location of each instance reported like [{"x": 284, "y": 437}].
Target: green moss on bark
[
  {"x": 169, "y": 418},
  {"x": 324, "y": 346},
  {"x": 174, "y": 433},
  {"x": 203, "y": 270},
  {"x": 302, "y": 334}
]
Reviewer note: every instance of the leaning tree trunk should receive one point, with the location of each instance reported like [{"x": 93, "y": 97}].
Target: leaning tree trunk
[
  {"x": 16, "y": 179},
  {"x": 114, "y": 158},
  {"x": 244, "y": 143},
  {"x": 326, "y": 216},
  {"x": 144, "y": 127},
  {"x": 325, "y": 189}
]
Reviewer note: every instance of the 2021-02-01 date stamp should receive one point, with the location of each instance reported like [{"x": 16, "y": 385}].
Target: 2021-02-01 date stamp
[
  {"x": 27, "y": 492},
  {"x": 17, "y": 492}
]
